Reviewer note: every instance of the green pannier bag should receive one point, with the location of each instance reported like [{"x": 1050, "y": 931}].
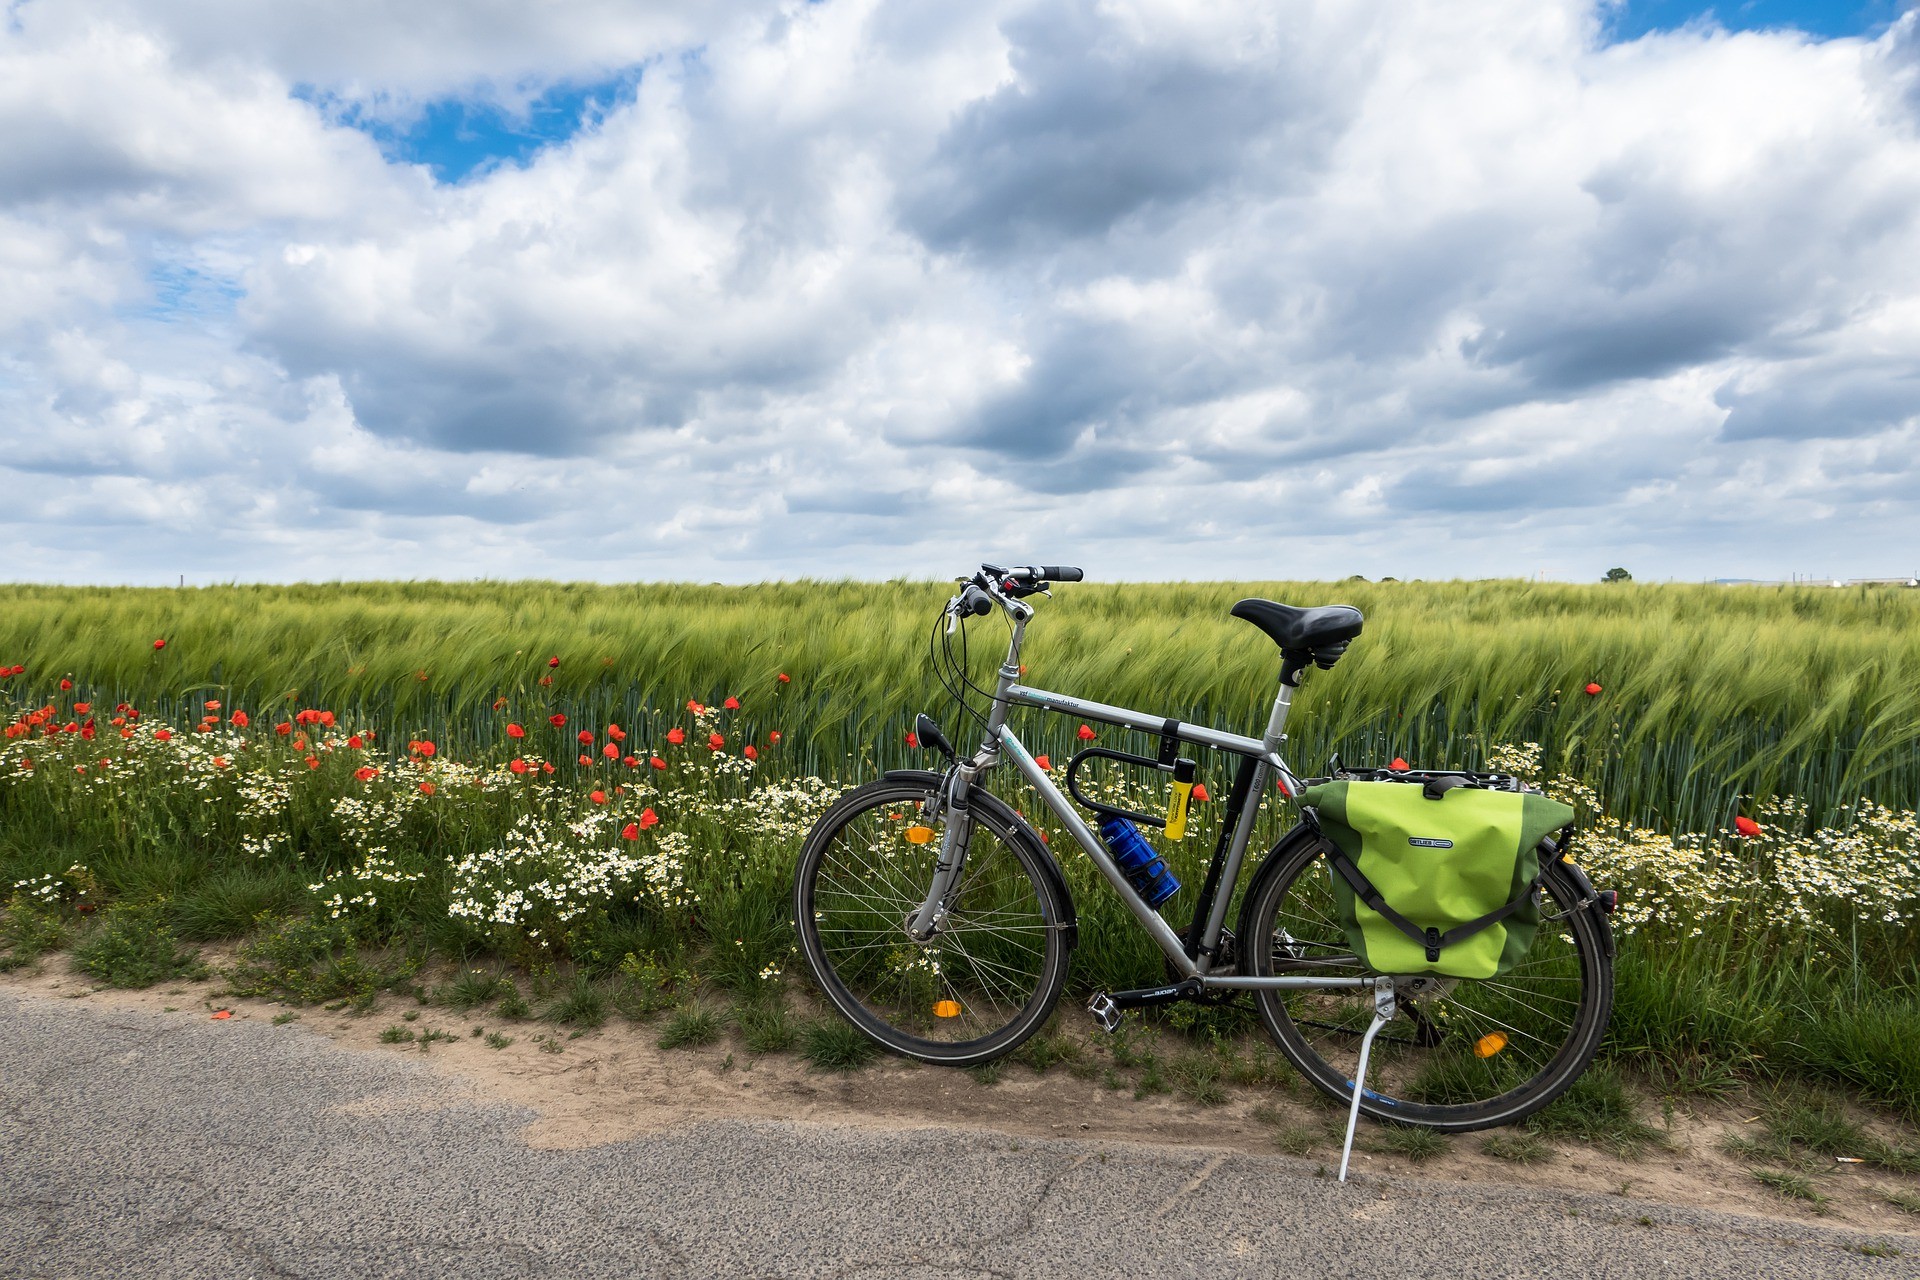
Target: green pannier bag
[{"x": 1436, "y": 874}]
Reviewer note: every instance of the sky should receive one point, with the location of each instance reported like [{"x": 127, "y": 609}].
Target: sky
[{"x": 724, "y": 290}]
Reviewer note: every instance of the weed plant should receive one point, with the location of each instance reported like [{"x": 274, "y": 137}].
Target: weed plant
[
  {"x": 133, "y": 947},
  {"x": 831, "y": 1044}
]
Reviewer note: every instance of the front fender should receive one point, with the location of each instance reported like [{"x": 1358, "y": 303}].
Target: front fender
[{"x": 1022, "y": 830}]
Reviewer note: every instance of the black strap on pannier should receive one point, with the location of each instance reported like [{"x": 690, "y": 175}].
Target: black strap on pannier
[{"x": 1432, "y": 939}]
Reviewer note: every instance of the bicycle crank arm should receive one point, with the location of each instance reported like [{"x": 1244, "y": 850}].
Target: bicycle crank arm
[{"x": 1106, "y": 1006}]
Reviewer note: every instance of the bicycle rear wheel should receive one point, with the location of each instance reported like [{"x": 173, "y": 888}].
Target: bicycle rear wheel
[
  {"x": 988, "y": 977},
  {"x": 1462, "y": 1054}
]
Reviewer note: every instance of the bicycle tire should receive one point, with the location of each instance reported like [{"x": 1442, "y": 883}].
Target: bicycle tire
[
  {"x": 1542, "y": 1021},
  {"x": 992, "y": 974}
]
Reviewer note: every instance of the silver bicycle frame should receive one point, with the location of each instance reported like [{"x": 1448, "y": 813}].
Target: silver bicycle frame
[{"x": 1268, "y": 763}]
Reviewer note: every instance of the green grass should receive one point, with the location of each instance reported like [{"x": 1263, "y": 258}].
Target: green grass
[
  {"x": 1710, "y": 691},
  {"x": 691, "y": 1025},
  {"x": 1416, "y": 1145},
  {"x": 310, "y": 961},
  {"x": 1792, "y": 1186},
  {"x": 1516, "y": 1146},
  {"x": 582, "y": 1004},
  {"x": 765, "y": 1027},
  {"x": 133, "y": 946},
  {"x": 832, "y": 1044},
  {"x": 1599, "y": 1108}
]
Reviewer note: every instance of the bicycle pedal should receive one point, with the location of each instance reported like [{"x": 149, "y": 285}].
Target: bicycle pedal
[{"x": 1104, "y": 1012}]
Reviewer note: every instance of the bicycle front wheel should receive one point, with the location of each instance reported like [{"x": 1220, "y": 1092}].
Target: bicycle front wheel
[
  {"x": 986, "y": 979},
  {"x": 1462, "y": 1054}
]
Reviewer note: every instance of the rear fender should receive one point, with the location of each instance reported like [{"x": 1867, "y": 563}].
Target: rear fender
[{"x": 1022, "y": 830}]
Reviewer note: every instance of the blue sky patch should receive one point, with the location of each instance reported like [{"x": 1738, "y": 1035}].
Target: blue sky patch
[
  {"x": 457, "y": 137},
  {"x": 1823, "y": 18}
]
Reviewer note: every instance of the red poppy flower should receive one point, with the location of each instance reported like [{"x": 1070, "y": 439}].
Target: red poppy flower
[
  {"x": 326, "y": 719},
  {"x": 610, "y": 751},
  {"x": 81, "y": 708},
  {"x": 68, "y": 684},
  {"x": 299, "y": 742},
  {"x": 731, "y": 704},
  {"x": 86, "y": 731},
  {"x": 1593, "y": 690},
  {"x": 355, "y": 741},
  {"x": 785, "y": 678},
  {"x": 632, "y": 762},
  {"x": 546, "y": 766},
  {"x": 630, "y": 832},
  {"x": 499, "y": 703},
  {"x": 648, "y": 818},
  {"x": 557, "y": 719},
  {"x": 1200, "y": 791},
  {"x": 162, "y": 735},
  {"x": 586, "y": 760},
  {"x": 1746, "y": 826},
  {"x": 913, "y": 739},
  {"x": 715, "y": 742},
  {"x": 517, "y": 765},
  {"x": 240, "y": 719},
  {"x": 515, "y": 731},
  {"x": 615, "y": 732},
  {"x": 1086, "y": 733},
  {"x": 598, "y": 797},
  {"x": 750, "y": 753},
  {"x": 219, "y": 762},
  {"x": 554, "y": 661},
  {"x": 159, "y": 644},
  {"x": 426, "y": 788},
  {"x": 545, "y": 680},
  {"x": 212, "y": 705},
  {"x": 1398, "y": 765},
  {"x": 365, "y": 772},
  {"x": 284, "y": 728},
  {"x": 312, "y": 763},
  {"x": 1043, "y": 762},
  {"x": 585, "y": 736},
  {"x": 656, "y": 762},
  {"x": 774, "y": 737},
  {"x": 676, "y": 736},
  {"x": 427, "y": 748}
]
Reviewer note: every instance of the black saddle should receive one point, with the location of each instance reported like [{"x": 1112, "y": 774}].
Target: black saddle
[{"x": 1318, "y": 636}]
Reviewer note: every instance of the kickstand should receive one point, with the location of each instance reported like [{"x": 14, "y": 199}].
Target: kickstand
[{"x": 1384, "y": 1007}]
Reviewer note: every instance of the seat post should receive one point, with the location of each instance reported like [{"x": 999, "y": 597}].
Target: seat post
[{"x": 1277, "y": 722}]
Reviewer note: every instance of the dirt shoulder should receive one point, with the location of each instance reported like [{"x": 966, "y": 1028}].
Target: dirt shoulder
[{"x": 612, "y": 1083}]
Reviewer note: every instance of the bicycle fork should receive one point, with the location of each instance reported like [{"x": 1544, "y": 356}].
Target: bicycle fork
[{"x": 958, "y": 829}]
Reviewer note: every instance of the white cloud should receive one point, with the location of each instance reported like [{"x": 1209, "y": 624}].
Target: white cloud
[{"x": 871, "y": 288}]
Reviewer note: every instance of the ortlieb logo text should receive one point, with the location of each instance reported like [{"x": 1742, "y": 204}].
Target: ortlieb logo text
[{"x": 1425, "y": 843}]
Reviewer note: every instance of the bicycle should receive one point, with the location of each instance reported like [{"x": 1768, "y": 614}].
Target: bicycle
[{"x": 934, "y": 917}]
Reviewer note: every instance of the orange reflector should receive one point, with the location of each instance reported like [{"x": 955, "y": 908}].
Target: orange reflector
[
  {"x": 1488, "y": 1045},
  {"x": 946, "y": 1008},
  {"x": 917, "y": 834}
]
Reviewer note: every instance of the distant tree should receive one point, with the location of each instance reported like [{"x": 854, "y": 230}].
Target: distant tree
[{"x": 1617, "y": 575}]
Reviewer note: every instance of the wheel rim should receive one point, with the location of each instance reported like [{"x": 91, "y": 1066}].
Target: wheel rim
[
  {"x": 1461, "y": 1050},
  {"x": 980, "y": 973}
]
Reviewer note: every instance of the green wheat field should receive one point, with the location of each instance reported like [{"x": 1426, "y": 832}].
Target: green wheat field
[{"x": 340, "y": 866}]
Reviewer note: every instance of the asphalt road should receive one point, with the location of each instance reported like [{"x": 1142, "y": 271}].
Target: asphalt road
[{"x": 152, "y": 1145}]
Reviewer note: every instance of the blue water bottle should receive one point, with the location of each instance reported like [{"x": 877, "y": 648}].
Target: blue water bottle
[{"x": 1142, "y": 865}]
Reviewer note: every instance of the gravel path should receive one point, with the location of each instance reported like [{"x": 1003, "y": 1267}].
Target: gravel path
[{"x": 147, "y": 1145}]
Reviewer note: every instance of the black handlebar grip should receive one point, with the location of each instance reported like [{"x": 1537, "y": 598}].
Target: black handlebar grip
[
  {"x": 975, "y": 603},
  {"x": 1061, "y": 573}
]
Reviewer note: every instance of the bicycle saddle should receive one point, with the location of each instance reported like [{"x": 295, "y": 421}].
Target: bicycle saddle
[{"x": 1320, "y": 634}]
